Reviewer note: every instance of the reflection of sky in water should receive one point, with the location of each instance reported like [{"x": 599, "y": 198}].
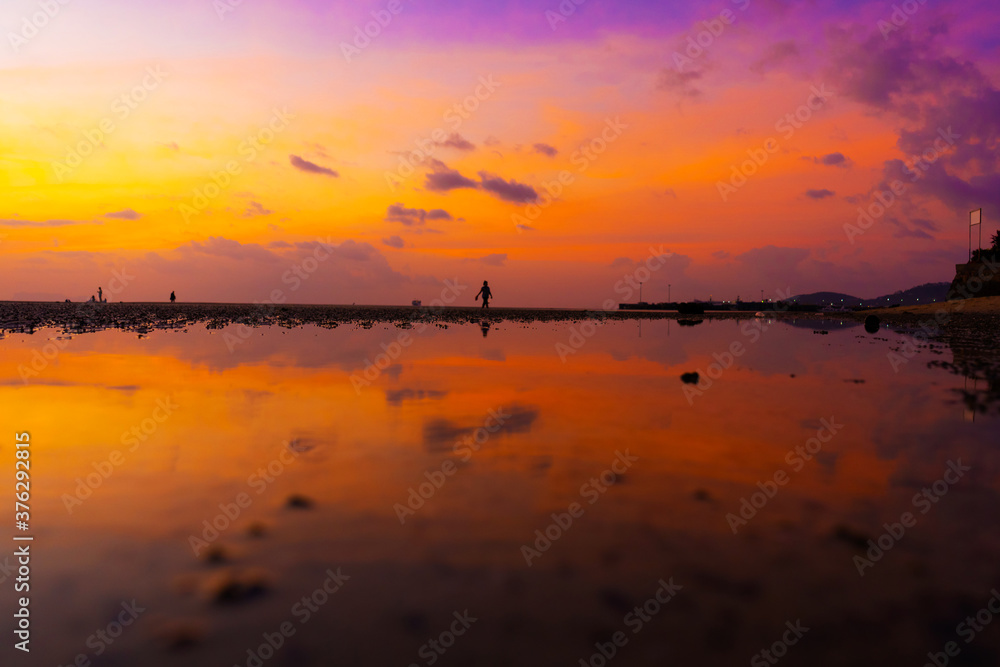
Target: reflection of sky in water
[{"x": 358, "y": 453}]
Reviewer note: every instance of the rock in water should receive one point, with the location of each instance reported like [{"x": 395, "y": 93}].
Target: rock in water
[
  {"x": 871, "y": 323},
  {"x": 690, "y": 378}
]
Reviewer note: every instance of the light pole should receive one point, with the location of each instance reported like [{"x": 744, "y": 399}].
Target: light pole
[
  {"x": 640, "y": 292},
  {"x": 669, "y": 300}
]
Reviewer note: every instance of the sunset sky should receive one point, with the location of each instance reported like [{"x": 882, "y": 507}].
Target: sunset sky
[{"x": 235, "y": 151}]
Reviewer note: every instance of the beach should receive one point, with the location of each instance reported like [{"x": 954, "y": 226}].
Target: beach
[
  {"x": 396, "y": 485},
  {"x": 129, "y": 316},
  {"x": 539, "y": 333}
]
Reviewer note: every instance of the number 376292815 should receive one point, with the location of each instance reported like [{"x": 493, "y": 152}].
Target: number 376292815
[{"x": 22, "y": 477}]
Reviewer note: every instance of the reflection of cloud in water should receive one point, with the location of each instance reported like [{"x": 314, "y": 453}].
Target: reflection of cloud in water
[
  {"x": 766, "y": 353},
  {"x": 695, "y": 464},
  {"x": 302, "y": 444},
  {"x": 18, "y": 382},
  {"x": 397, "y": 396},
  {"x": 440, "y": 433},
  {"x": 348, "y": 348}
]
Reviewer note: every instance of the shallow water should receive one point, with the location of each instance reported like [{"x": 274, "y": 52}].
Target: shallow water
[{"x": 138, "y": 442}]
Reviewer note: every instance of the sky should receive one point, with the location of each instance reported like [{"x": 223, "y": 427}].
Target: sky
[{"x": 378, "y": 152}]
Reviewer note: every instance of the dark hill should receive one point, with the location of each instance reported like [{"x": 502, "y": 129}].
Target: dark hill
[{"x": 926, "y": 293}]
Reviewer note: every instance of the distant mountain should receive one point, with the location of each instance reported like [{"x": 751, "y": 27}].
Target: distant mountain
[
  {"x": 826, "y": 298},
  {"x": 926, "y": 293}
]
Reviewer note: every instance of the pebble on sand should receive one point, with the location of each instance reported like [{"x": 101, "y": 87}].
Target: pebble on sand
[
  {"x": 217, "y": 554},
  {"x": 231, "y": 587},
  {"x": 300, "y": 502},
  {"x": 850, "y": 536},
  {"x": 257, "y": 529}
]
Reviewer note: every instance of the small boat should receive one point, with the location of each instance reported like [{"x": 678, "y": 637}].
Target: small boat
[{"x": 416, "y": 302}]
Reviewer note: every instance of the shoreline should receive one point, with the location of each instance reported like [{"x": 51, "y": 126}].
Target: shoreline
[{"x": 24, "y": 316}]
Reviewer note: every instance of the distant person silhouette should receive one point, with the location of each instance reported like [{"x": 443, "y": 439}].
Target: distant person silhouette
[
  {"x": 487, "y": 294},
  {"x": 173, "y": 297},
  {"x": 100, "y": 294}
]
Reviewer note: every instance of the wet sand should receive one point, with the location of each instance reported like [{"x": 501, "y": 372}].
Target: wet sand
[
  {"x": 22, "y": 316},
  {"x": 989, "y": 305},
  {"x": 972, "y": 325},
  {"x": 981, "y": 314}
]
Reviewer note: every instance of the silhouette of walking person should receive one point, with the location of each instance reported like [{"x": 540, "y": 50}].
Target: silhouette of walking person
[
  {"x": 173, "y": 297},
  {"x": 487, "y": 294},
  {"x": 100, "y": 294}
]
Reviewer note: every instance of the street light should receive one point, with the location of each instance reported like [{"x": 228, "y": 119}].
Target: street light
[{"x": 669, "y": 300}]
